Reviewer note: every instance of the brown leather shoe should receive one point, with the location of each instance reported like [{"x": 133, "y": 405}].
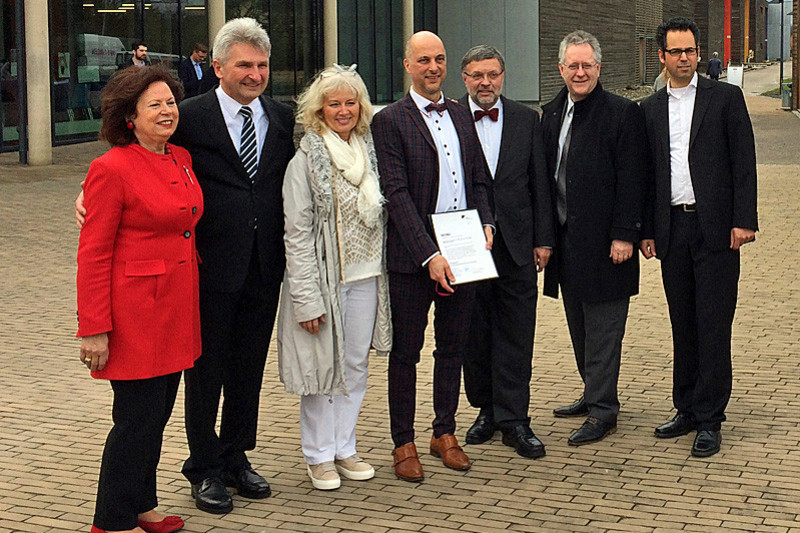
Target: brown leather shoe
[
  {"x": 448, "y": 449},
  {"x": 406, "y": 463}
]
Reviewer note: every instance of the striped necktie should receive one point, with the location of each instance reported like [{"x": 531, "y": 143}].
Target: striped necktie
[{"x": 247, "y": 147}]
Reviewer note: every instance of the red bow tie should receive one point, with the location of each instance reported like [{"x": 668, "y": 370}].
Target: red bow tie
[
  {"x": 439, "y": 108},
  {"x": 492, "y": 114}
]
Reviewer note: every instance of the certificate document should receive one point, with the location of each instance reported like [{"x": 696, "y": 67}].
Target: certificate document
[{"x": 462, "y": 242}]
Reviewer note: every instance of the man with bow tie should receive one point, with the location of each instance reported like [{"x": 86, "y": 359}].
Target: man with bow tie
[
  {"x": 430, "y": 161},
  {"x": 497, "y": 363}
]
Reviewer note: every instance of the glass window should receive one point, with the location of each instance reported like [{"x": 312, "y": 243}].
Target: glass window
[
  {"x": 294, "y": 31},
  {"x": 371, "y": 35},
  {"x": 9, "y": 107}
]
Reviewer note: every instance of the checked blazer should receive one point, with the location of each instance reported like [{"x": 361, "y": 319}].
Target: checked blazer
[{"x": 409, "y": 174}]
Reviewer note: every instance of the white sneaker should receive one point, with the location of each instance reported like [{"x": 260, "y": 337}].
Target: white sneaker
[
  {"x": 323, "y": 476},
  {"x": 355, "y": 468}
]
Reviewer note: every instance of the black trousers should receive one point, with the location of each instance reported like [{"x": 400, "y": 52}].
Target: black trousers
[
  {"x": 497, "y": 361},
  {"x": 411, "y": 297},
  {"x": 702, "y": 289},
  {"x": 236, "y": 331},
  {"x": 127, "y": 484},
  {"x": 596, "y": 330}
]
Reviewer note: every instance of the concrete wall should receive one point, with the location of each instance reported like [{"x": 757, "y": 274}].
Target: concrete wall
[
  {"x": 511, "y": 26},
  {"x": 611, "y": 21}
]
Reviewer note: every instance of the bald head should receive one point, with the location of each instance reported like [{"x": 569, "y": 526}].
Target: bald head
[{"x": 426, "y": 62}]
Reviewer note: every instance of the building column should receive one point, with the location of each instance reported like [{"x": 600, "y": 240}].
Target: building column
[
  {"x": 330, "y": 32},
  {"x": 37, "y": 57},
  {"x": 796, "y": 55},
  {"x": 216, "y": 18},
  {"x": 408, "y": 31}
]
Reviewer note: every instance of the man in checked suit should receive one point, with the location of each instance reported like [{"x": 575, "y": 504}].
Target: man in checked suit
[
  {"x": 700, "y": 211},
  {"x": 497, "y": 363},
  {"x": 430, "y": 161},
  {"x": 240, "y": 142}
]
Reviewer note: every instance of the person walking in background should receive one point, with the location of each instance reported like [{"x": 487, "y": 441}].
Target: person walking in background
[
  {"x": 497, "y": 361},
  {"x": 335, "y": 298},
  {"x": 137, "y": 288},
  {"x": 596, "y": 154},
  {"x": 191, "y": 69},
  {"x": 714, "y": 68},
  {"x": 701, "y": 209},
  {"x": 430, "y": 161}
]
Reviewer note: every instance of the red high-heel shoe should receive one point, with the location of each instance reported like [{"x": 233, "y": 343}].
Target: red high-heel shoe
[{"x": 168, "y": 525}]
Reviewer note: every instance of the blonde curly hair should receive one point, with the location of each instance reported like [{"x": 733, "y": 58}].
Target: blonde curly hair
[{"x": 327, "y": 81}]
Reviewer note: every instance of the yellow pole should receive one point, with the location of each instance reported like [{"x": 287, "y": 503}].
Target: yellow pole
[{"x": 747, "y": 31}]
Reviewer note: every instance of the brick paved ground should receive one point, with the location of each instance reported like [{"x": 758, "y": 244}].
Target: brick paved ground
[{"x": 55, "y": 418}]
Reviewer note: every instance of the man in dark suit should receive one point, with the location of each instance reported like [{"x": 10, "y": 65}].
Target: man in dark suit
[
  {"x": 240, "y": 142},
  {"x": 596, "y": 153},
  {"x": 191, "y": 69},
  {"x": 714, "y": 68},
  {"x": 497, "y": 362},
  {"x": 701, "y": 209},
  {"x": 430, "y": 162},
  {"x": 138, "y": 57}
]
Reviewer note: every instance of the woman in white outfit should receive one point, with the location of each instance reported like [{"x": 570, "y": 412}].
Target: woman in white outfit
[{"x": 335, "y": 299}]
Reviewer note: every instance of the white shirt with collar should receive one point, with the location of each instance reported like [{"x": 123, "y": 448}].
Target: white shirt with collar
[
  {"x": 234, "y": 120},
  {"x": 452, "y": 192},
  {"x": 490, "y": 133},
  {"x": 680, "y": 110},
  {"x": 562, "y": 136}
]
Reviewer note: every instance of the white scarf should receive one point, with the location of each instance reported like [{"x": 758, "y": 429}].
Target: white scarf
[{"x": 351, "y": 159}]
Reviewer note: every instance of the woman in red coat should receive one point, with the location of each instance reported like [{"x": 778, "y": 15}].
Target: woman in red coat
[{"x": 137, "y": 285}]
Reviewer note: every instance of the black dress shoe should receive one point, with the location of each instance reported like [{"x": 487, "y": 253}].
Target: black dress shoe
[
  {"x": 248, "y": 484},
  {"x": 211, "y": 496},
  {"x": 706, "y": 443},
  {"x": 592, "y": 430},
  {"x": 682, "y": 424},
  {"x": 578, "y": 408},
  {"x": 483, "y": 429},
  {"x": 522, "y": 439}
]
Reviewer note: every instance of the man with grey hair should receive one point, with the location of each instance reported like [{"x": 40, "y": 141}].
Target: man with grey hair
[
  {"x": 240, "y": 142},
  {"x": 596, "y": 156},
  {"x": 497, "y": 361}
]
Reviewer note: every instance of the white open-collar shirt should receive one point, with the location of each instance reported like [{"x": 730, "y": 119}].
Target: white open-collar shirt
[{"x": 680, "y": 110}]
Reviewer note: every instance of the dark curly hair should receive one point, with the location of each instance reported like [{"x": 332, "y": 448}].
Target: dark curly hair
[
  {"x": 119, "y": 97},
  {"x": 676, "y": 24}
]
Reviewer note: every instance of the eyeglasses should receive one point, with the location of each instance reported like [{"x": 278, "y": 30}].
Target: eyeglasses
[
  {"x": 678, "y": 52},
  {"x": 479, "y": 76},
  {"x": 575, "y": 66}
]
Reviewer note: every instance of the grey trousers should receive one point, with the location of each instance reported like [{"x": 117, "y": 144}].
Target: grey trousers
[{"x": 596, "y": 330}]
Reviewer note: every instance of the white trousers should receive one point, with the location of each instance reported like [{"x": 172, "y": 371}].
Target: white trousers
[{"x": 328, "y": 423}]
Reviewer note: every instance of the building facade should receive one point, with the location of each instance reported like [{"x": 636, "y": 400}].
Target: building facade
[{"x": 57, "y": 55}]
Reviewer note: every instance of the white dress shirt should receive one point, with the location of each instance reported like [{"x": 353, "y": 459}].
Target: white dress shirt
[
  {"x": 490, "y": 133},
  {"x": 680, "y": 111},
  {"x": 234, "y": 120},
  {"x": 562, "y": 137},
  {"x": 452, "y": 193}
]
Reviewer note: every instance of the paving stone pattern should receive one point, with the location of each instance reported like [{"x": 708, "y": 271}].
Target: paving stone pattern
[{"x": 54, "y": 417}]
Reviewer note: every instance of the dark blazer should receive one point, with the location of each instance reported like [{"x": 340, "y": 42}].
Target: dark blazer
[
  {"x": 722, "y": 164},
  {"x": 236, "y": 210},
  {"x": 606, "y": 169},
  {"x": 187, "y": 75},
  {"x": 521, "y": 195},
  {"x": 714, "y": 67},
  {"x": 409, "y": 174}
]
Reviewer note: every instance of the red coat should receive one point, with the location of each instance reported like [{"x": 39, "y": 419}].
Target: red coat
[{"x": 137, "y": 263}]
